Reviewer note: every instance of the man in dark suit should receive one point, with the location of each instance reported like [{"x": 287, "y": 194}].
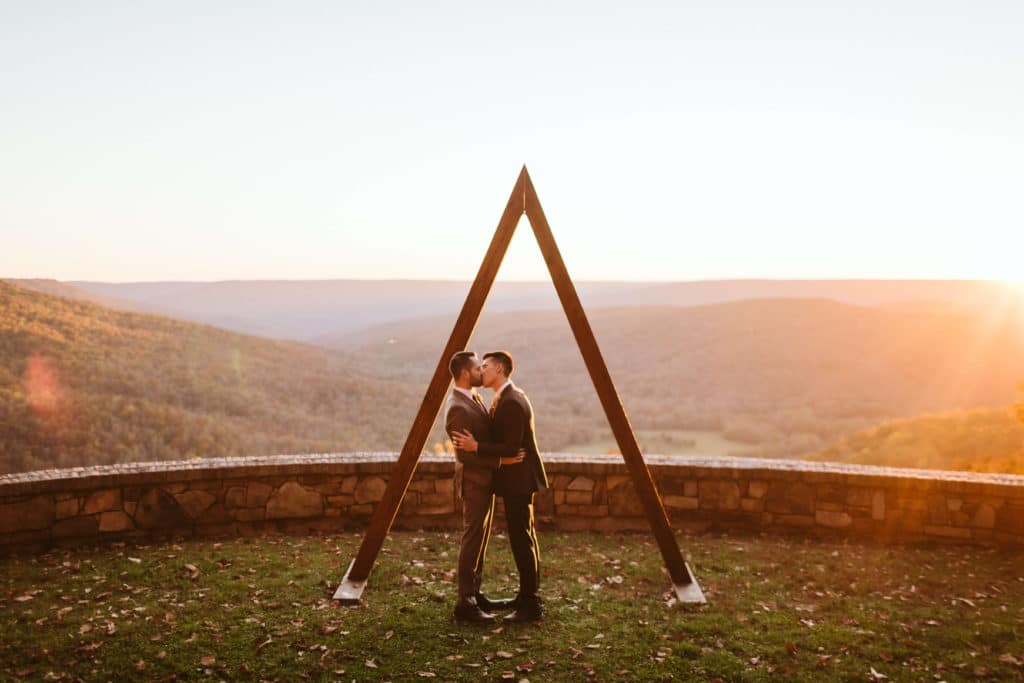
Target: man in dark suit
[
  {"x": 474, "y": 479},
  {"x": 512, "y": 429}
]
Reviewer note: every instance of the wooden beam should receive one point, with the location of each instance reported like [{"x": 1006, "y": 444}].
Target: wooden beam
[
  {"x": 682, "y": 578},
  {"x": 522, "y": 200}
]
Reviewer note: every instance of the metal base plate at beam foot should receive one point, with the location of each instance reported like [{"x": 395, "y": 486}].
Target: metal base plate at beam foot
[
  {"x": 689, "y": 593},
  {"x": 350, "y": 592}
]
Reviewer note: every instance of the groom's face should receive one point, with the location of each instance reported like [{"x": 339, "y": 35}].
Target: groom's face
[
  {"x": 476, "y": 377},
  {"x": 489, "y": 371}
]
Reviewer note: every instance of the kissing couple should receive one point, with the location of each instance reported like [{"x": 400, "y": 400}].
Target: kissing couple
[{"x": 496, "y": 455}]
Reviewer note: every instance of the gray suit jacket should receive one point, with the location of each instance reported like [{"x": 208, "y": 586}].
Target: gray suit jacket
[{"x": 471, "y": 469}]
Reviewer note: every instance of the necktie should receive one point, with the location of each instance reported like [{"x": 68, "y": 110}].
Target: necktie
[
  {"x": 479, "y": 401},
  {"x": 494, "y": 405}
]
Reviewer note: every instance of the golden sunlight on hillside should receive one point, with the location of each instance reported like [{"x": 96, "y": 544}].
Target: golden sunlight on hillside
[
  {"x": 85, "y": 385},
  {"x": 980, "y": 440}
]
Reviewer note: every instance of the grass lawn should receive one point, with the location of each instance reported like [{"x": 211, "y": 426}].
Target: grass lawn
[{"x": 260, "y": 608}]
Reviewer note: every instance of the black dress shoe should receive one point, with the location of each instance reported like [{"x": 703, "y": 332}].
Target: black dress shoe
[
  {"x": 468, "y": 611},
  {"x": 486, "y": 603},
  {"x": 525, "y": 612}
]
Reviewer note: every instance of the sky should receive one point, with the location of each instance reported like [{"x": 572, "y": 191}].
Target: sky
[{"x": 667, "y": 141}]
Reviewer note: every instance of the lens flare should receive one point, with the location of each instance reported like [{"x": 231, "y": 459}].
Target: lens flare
[{"x": 42, "y": 390}]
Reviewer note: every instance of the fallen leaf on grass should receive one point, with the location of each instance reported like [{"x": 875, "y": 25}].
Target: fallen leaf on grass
[
  {"x": 371, "y": 664},
  {"x": 876, "y": 676},
  {"x": 208, "y": 661}
]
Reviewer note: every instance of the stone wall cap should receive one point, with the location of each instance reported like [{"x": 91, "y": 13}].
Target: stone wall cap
[{"x": 730, "y": 467}]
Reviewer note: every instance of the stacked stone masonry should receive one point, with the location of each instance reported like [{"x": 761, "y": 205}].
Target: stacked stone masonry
[{"x": 301, "y": 494}]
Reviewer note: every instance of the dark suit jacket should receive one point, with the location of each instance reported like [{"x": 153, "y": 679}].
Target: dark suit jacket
[
  {"x": 511, "y": 429},
  {"x": 471, "y": 469}
]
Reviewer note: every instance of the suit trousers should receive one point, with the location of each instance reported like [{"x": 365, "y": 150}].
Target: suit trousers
[
  {"x": 477, "y": 515},
  {"x": 523, "y": 537}
]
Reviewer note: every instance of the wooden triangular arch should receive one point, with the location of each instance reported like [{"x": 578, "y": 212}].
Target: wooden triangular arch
[{"x": 523, "y": 200}]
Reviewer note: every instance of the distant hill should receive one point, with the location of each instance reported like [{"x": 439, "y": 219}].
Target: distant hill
[
  {"x": 69, "y": 291},
  {"x": 959, "y": 295},
  {"x": 787, "y": 375},
  {"x": 976, "y": 440},
  {"x": 82, "y": 384},
  {"x": 309, "y": 310}
]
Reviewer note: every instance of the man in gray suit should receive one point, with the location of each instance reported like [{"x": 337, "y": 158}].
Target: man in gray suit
[
  {"x": 474, "y": 480},
  {"x": 512, "y": 430}
]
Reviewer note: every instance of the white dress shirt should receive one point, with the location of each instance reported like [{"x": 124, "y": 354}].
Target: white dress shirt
[{"x": 468, "y": 393}]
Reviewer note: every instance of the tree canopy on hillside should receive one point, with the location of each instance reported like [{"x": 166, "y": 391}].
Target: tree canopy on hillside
[
  {"x": 81, "y": 384},
  {"x": 981, "y": 440}
]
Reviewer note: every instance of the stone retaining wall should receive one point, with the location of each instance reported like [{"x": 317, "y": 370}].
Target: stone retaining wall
[{"x": 299, "y": 494}]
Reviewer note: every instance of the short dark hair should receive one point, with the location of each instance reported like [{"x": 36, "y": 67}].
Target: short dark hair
[
  {"x": 503, "y": 357},
  {"x": 459, "y": 362}
]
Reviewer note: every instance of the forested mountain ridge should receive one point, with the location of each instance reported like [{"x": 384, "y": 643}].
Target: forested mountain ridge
[
  {"x": 81, "y": 384},
  {"x": 84, "y": 384},
  {"x": 319, "y": 310},
  {"x": 981, "y": 440},
  {"x": 789, "y": 376}
]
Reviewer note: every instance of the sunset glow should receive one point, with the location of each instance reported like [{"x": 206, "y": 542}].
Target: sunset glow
[{"x": 667, "y": 141}]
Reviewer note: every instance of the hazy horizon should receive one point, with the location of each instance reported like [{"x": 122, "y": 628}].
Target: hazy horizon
[
  {"x": 544, "y": 281},
  {"x": 753, "y": 279}
]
